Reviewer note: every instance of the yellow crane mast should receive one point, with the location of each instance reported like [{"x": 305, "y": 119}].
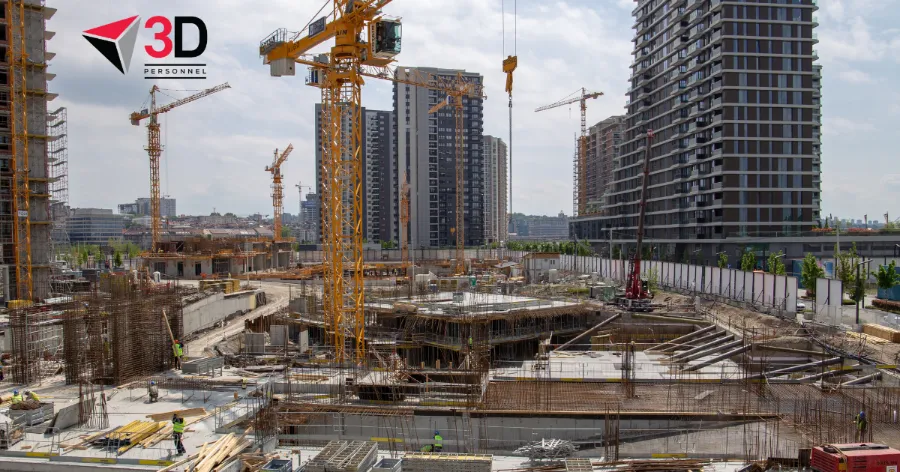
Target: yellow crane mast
[
  {"x": 579, "y": 194},
  {"x": 404, "y": 223},
  {"x": 278, "y": 189},
  {"x": 19, "y": 165},
  {"x": 154, "y": 148},
  {"x": 342, "y": 160}
]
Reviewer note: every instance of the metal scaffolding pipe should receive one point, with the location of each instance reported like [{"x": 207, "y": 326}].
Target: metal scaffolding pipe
[
  {"x": 675, "y": 342},
  {"x": 797, "y": 368},
  {"x": 715, "y": 342},
  {"x": 831, "y": 373},
  {"x": 711, "y": 350},
  {"x": 719, "y": 358},
  {"x": 862, "y": 380},
  {"x": 590, "y": 330}
]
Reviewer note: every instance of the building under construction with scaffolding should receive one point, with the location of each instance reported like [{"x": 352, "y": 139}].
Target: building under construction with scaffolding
[
  {"x": 25, "y": 177},
  {"x": 192, "y": 256}
]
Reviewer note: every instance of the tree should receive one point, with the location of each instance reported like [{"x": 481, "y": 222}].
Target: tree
[
  {"x": 723, "y": 260},
  {"x": 887, "y": 276},
  {"x": 388, "y": 245},
  {"x": 285, "y": 232},
  {"x": 748, "y": 261},
  {"x": 845, "y": 268},
  {"x": 652, "y": 280},
  {"x": 809, "y": 272},
  {"x": 117, "y": 258},
  {"x": 616, "y": 252},
  {"x": 776, "y": 264}
]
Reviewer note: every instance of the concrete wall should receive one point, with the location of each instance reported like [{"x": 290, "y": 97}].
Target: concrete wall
[{"x": 206, "y": 313}]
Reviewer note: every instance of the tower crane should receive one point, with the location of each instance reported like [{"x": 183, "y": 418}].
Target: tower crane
[
  {"x": 579, "y": 195},
  {"x": 154, "y": 149},
  {"x": 339, "y": 75},
  {"x": 278, "y": 189},
  {"x": 404, "y": 222}
]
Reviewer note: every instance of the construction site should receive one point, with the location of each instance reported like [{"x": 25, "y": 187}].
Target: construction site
[{"x": 242, "y": 354}]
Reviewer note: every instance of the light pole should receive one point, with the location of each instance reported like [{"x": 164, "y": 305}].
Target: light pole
[{"x": 859, "y": 284}]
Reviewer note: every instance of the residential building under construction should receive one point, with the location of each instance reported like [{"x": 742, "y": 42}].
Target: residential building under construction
[{"x": 25, "y": 176}]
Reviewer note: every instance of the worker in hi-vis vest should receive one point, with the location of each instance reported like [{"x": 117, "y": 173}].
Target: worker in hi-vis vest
[
  {"x": 177, "y": 433},
  {"x": 438, "y": 442},
  {"x": 179, "y": 352}
]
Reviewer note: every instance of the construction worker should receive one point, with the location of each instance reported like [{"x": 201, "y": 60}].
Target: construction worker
[
  {"x": 470, "y": 342},
  {"x": 177, "y": 433},
  {"x": 179, "y": 352},
  {"x": 438, "y": 442},
  {"x": 153, "y": 391},
  {"x": 17, "y": 397},
  {"x": 862, "y": 424},
  {"x": 32, "y": 396}
]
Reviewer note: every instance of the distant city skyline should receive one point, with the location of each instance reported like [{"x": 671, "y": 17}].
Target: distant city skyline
[{"x": 211, "y": 162}]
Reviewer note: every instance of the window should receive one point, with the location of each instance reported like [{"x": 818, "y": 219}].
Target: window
[
  {"x": 744, "y": 164},
  {"x": 788, "y": 131},
  {"x": 788, "y": 114},
  {"x": 786, "y": 47},
  {"x": 798, "y": 82},
  {"x": 742, "y": 79},
  {"x": 787, "y": 64}
]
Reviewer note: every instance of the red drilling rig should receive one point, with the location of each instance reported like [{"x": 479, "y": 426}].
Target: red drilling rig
[{"x": 637, "y": 296}]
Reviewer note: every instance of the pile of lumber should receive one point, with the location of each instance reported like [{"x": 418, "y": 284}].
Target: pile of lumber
[
  {"x": 198, "y": 414},
  {"x": 226, "y": 450},
  {"x": 125, "y": 437}
]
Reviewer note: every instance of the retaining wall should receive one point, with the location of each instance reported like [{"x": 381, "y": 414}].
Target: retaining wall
[{"x": 204, "y": 314}]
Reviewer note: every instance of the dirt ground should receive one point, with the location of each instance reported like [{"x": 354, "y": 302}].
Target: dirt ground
[{"x": 784, "y": 333}]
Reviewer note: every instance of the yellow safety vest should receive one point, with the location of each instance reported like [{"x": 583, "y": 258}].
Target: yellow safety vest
[
  {"x": 17, "y": 398},
  {"x": 34, "y": 397},
  {"x": 178, "y": 426},
  {"x": 178, "y": 350},
  {"x": 438, "y": 440}
]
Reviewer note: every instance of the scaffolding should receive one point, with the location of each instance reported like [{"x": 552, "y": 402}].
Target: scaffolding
[{"x": 58, "y": 164}]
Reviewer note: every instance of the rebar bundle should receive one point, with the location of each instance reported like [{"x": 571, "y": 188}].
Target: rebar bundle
[{"x": 547, "y": 449}]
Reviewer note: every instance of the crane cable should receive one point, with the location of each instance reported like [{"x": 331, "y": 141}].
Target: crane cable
[{"x": 510, "y": 147}]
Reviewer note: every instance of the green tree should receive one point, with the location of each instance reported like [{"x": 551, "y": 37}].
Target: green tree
[
  {"x": 117, "y": 258},
  {"x": 776, "y": 263},
  {"x": 723, "y": 260},
  {"x": 845, "y": 268},
  {"x": 652, "y": 280},
  {"x": 748, "y": 261},
  {"x": 616, "y": 252},
  {"x": 809, "y": 272},
  {"x": 646, "y": 252},
  {"x": 285, "y": 232},
  {"x": 388, "y": 245},
  {"x": 887, "y": 276}
]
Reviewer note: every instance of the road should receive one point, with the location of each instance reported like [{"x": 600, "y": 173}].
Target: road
[{"x": 277, "y": 294}]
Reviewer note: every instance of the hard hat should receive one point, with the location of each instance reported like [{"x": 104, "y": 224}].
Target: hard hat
[
  {"x": 437, "y": 432},
  {"x": 152, "y": 382},
  {"x": 15, "y": 392}
]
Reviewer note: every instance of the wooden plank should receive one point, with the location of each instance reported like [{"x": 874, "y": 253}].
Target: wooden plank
[{"x": 182, "y": 413}]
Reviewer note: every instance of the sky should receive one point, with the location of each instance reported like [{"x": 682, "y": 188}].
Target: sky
[{"x": 216, "y": 149}]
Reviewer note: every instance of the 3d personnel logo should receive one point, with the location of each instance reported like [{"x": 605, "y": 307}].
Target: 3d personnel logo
[{"x": 116, "y": 42}]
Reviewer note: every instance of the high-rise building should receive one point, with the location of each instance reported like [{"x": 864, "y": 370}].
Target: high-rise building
[
  {"x": 730, "y": 91},
  {"x": 379, "y": 176},
  {"x": 378, "y": 185},
  {"x": 24, "y": 137},
  {"x": 310, "y": 217},
  {"x": 426, "y": 151},
  {"x": 495, "y": 188},
  {"x": 602, "y": 150}
]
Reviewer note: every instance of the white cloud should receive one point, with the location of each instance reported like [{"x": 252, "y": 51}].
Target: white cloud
[{"x": 855, "y": 76}]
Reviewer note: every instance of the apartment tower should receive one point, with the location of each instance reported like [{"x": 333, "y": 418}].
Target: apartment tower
[
  {"x": 426, "y": 152},
  {"x": 495, "y": 189},
  {"x": 602, "y": 150},
  {"x": 730, "y": 91}
]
